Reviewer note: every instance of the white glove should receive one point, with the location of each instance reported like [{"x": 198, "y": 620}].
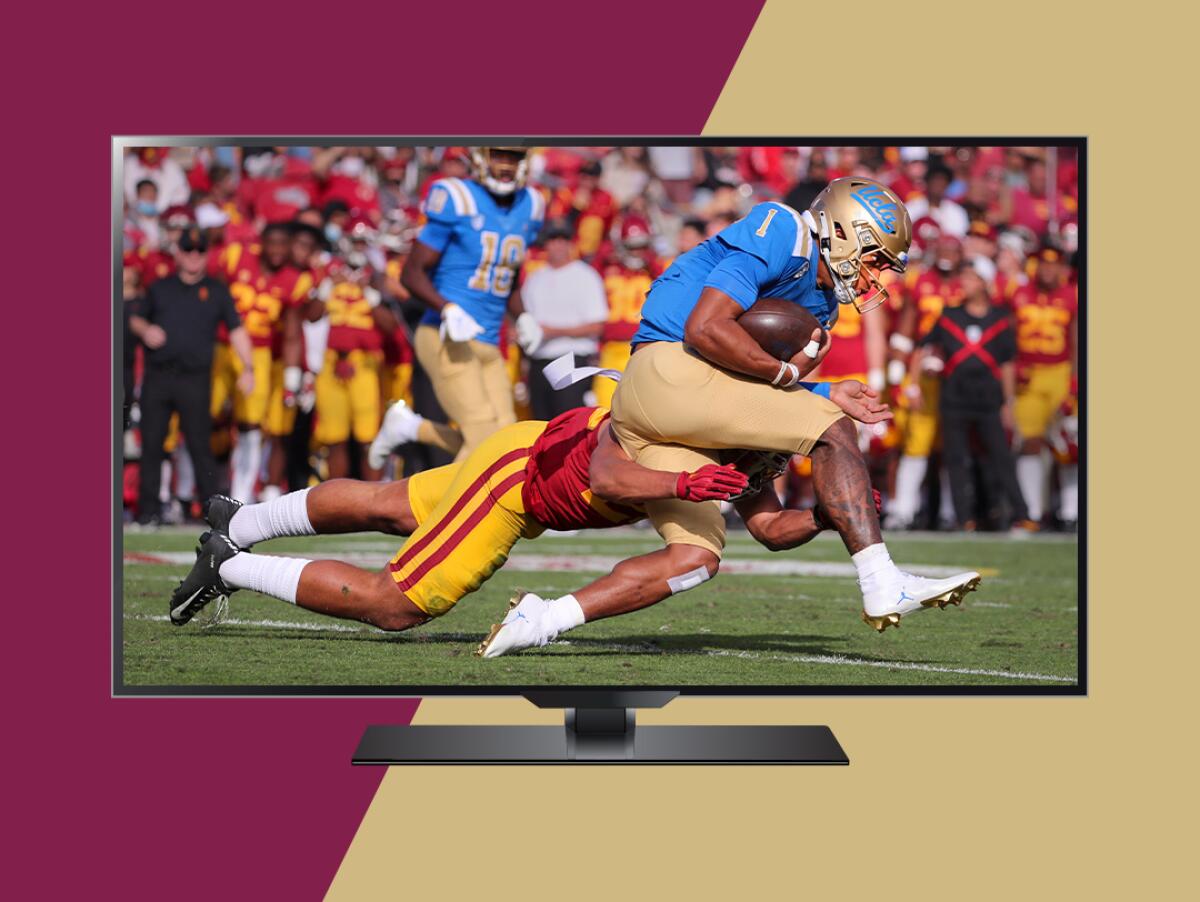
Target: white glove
[
  {"x": 457, "y": 324},
  {"x": 896, "y": 371},
  {"x": 529, "y": 333}
]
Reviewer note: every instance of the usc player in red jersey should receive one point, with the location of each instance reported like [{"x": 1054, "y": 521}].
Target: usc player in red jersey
[
  {"x": 1046, "y": 315},
  {"x": 462, "y": 521},
  {"x": 586, "y": 205},
  {"x": 628, "y": 271},
  {"x": 348, "y": 386},
  {"x": 263, "y": 286},
  {"x": 927, "y": 289}
]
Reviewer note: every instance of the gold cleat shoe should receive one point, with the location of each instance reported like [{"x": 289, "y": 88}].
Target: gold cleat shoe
[
  {"x": 954, "y": 597},
  {"x": 496, "y": 627},
  {"x": 907, "y": 594}
]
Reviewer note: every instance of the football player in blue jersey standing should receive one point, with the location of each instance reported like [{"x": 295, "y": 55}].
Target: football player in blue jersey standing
[
  {"x": 698, "y": 383},
  {"x": 464, "y": 267}
]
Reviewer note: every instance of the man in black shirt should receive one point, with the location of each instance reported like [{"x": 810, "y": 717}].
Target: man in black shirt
[
  {"x": 977, "y": 347},
  {"x": 178, "y": 326}
]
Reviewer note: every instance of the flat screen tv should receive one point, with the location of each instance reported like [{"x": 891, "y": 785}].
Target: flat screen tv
[{"x": 599, "y": 421}]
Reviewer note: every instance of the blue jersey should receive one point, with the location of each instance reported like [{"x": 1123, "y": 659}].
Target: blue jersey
[
  {"x": 770, "y": 253},
  {"x": 482, "y": 245}
]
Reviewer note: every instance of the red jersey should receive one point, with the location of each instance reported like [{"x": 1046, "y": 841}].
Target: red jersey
[
  {"x": 626, "y": 290},
  {"x": 1043, "y": 323},
  {"x": 261, "y": 296},
  {"x": 351, "y": 319},
  {"x": 593, "y": 214},
  {"x": 151, "y": 265},
  {"x": 931, "y": 292},
  {"x": 848, "y": 353},
  {"x": 557, "y": 489}
]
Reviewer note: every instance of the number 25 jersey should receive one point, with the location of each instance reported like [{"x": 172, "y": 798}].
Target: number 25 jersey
[{"x": 482, "y": 244}]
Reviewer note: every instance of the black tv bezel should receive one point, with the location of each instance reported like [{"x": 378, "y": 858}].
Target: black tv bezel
[{"x": 583, "y": 695}]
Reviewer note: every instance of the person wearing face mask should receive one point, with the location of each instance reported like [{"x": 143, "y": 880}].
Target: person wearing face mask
[{"x": 143, "y": 214}]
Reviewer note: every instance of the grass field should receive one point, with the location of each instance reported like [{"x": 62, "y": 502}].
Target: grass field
[{"x": 787, "y": 619}]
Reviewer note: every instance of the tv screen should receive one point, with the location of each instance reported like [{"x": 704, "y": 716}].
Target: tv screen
[{"x": 417, "y": 416}]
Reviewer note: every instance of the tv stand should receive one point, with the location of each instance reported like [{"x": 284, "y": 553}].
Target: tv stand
[{"x": 600, "y": 729}]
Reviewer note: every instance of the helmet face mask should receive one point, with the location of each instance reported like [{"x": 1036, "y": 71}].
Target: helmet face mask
[
  {"x": 760, "y": 467},
  {"x": 482, "y": 163},
  {"x": 862, "y": 228}
]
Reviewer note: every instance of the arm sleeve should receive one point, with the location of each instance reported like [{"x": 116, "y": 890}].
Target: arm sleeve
[
  {"x": 1005, "y": 346},
  {"x": 818, "y": 388},
  {"x": 229, "y": 314},
  {"x": 596, "y": 303},
  {"x": 739, "y": 275},
  {"x": 440, "y": 218},
  {"x": 933, "y": 338}
]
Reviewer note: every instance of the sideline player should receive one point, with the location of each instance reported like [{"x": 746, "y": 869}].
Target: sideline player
[
  {"x": 462, "y": 520},
  {"x": 1046, "y": 314},
  {"x": 262, "y": 285},
  {"x": 463, "y": 267},
  {"x": 725, "y": 392}
]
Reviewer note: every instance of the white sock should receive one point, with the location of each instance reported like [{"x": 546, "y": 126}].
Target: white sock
[
  {"x": 286, "y": 515},
  {"x": 275, "y": 576},
  {"x": 164, "y": 481},
  {"x": 1068, "y": 492},
  {"x": 946, "y": 512},
  {"x": 247, "y": 457},
  {"x": 909, "y": 476},
  {"x": 1031, "y": 477},
  {"x": 564, "y": 613},
  {"x": 872, "y": 563},
  {"x": 185, "y": 474}
]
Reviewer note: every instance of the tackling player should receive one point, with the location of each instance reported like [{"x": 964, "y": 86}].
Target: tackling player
[
  {"x": 463, "y": 267},
  {"x": 462, "y": 520},
  {"x": 725, "y": 392}
]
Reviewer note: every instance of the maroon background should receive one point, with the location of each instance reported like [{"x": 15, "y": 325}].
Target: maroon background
[{"x": 234, "y": 798}]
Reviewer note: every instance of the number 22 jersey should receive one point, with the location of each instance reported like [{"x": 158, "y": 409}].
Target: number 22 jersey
[{"x": 482, "y": 244}]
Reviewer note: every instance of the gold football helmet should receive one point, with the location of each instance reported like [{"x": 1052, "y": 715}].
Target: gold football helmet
[
  {"x": 863, "y": 228},
  {"x": 481, "y": 166}
]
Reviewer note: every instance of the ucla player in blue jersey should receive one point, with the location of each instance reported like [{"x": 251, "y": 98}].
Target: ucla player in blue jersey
[
  {"x": 698, "y": 382},
  {"x": 464, "y": 267}
]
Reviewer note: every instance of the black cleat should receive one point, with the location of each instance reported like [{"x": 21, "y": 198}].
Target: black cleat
[
  {"x": 203, "y": 582},
  {"x": 219, "y": 511}
]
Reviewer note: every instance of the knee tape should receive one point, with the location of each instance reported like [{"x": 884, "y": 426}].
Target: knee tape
[{"x": 688, "y": 580}]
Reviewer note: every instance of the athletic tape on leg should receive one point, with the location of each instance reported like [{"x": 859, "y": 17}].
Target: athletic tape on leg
[{"x": 688, "y": 580}]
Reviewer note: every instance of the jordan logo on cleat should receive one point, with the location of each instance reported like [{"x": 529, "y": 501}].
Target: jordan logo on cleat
[{"x": 904, "y": 596}]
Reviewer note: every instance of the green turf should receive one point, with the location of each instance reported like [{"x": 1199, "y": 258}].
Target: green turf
[{"x": 734, "y": 630}]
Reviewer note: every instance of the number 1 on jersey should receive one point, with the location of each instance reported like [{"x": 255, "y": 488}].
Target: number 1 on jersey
[{"x": 762, "y": 229}]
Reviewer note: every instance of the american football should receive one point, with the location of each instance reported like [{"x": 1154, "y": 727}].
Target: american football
[{"x": 780, "y": 327}]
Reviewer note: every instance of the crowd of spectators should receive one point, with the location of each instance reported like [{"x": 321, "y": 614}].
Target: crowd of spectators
[{"x": 1000, "y": 211}]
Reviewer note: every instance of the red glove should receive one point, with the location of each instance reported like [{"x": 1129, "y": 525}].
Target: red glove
[
  {"x": 823, "y": 523},
  {"x": 711, "y": 483}
]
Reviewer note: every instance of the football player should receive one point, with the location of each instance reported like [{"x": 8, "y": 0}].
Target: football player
[
  {"x": 926, "y": 291},
  {"x": 462, "y": 520},
  {"x": 1046, "y": 313},
  {"x": 725, "y": 392},
  {"x": 348, "y": 388},
  {"x": 463, "y": 267},
  {"x": 263, "y": 285},
  {"x": 627, "y": 273}
]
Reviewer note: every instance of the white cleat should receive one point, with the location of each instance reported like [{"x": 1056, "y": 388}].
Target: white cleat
[
  {"x": 399, "y": 427},
  {"x": 524, "y": 626},
  {"x": 885, "y": 605}
]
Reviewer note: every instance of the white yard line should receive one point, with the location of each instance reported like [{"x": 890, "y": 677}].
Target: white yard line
[
  {"x": 827, "y": 660},
  {"x": 591, "y": 563}
]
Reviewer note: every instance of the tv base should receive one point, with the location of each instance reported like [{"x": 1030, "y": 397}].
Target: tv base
[{"x": 599, "y": 736}]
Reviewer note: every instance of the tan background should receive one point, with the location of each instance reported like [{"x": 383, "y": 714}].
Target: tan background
[{"x": 970, "y": 798}]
